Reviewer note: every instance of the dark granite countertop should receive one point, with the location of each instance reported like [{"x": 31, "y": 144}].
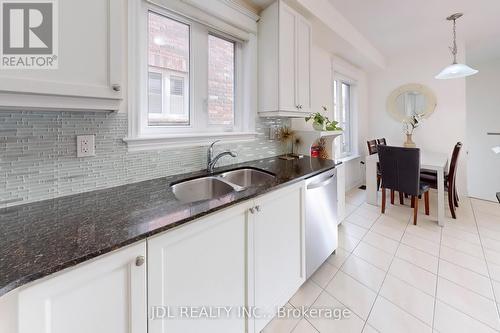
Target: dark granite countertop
[{"x": 41, "y": 238}]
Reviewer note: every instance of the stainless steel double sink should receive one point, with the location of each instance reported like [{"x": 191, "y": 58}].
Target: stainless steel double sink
[{"x": 214, "y": 186}]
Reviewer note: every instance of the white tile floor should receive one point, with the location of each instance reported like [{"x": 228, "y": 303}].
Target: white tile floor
[{"x": 397, "y": 277}]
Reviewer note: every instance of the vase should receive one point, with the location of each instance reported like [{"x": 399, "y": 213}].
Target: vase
[
  {"x": 409, "y": 142},
  {"x": 318, "y": 126}
]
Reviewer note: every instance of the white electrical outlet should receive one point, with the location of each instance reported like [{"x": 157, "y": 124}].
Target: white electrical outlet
[{"x": 85, "y": 145}]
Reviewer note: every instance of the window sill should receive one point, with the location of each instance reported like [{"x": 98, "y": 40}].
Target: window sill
[
  {"x": 185, "y": 140},
  {"x": 348, "y": 158}
]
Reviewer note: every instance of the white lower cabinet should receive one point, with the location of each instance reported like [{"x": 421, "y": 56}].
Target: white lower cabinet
[
  {"x": 107, "y": 295},
  {"x": 200, "y": 266},
  {"x": 250, "y": 255},
  {"x": 278, "y": 251},
  {"x": 227, "y": 272}
]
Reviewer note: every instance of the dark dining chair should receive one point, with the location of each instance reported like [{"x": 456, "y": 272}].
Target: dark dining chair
[
  {"x": 372, "y": 146},
  {"x": 372, "y": 149},
  {"x": 430, "y": 177},
  {"x": 382, "y": 142},
  {"x": 400, "y": 168}
]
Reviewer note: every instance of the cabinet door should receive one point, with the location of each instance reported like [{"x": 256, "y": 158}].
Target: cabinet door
[
  {"x": 105, "y": 296},
  {"x": 202, "y": 266},
  {"x": 286, "y": 61},
  {"x": 90, "y": 52},
  {"x": 303, "y": 65},
  {"x": 278, "y": 248}
]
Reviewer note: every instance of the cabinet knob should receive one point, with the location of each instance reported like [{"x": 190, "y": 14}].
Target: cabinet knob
[
  {"x": 139, "y": 261},
  {"x": 252, "y": 210},
  {"x": 257, "y": 208},
  {"x": 116, "y": 87}
]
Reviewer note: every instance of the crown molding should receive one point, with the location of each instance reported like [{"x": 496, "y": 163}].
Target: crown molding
[{"x": 242, "y": 9}]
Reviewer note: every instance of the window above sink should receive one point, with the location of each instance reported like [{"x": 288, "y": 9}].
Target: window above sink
[{"x": 190, "y": 76}]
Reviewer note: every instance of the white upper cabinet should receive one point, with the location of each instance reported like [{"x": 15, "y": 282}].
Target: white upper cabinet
[
  {"x": 284, "y": 62},
  {"x": 88, "y": 41},
  {"x": 105, "y": 295}
]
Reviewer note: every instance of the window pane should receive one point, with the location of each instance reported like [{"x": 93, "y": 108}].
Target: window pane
[
  {"x": 342, "y": 114},
  {"x": 155, "y": 92},
  {"x": 220, "y": 81},
  {"x": 177, "y": 96},
  {"x": 168, "y": 60},
  {"x": 345, "y": 118}
]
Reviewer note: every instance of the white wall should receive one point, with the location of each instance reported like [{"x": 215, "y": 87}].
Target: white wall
[
  {"x": 483, "y": 115},
  {"x": 445, "y": 127}
]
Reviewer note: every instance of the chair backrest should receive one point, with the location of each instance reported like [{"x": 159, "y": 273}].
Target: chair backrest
[
  {"x": 382, "y": 141},
  {"x": 400, "y": 168},
  {"x": 372, "y": 147},
  {"x": 454, "y": 162}
]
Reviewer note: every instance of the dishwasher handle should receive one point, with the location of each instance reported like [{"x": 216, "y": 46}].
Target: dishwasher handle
[{"x": 321, "y": 184}]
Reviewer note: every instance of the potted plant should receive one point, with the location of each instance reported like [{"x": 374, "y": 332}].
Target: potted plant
[
  {"x": 409, "y": 126},
  {"x": 322, "y": 123}
]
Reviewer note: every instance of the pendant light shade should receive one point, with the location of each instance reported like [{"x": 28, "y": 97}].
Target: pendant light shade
[{"x": 455, "y": 70}]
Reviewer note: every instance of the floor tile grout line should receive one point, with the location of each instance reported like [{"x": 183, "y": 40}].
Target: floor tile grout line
[
  {"x": 326, "y": 291},
  {"x": 462, "y": 252},
  {"x": 437, "y": 281},
  {"x": 464, "y": 287},
  {"x": 425, "y": 269},
  {"x": 416, "y": 248},
  {"x": 363, "y": 283},
  {"x": 302, "y": 317},
  {"x": 464, "y": 240},
  {"x": 456, "y": 228},
  {"x": 385, "y": 276},
  {"x": 420, "y": 237},
  {"x": 487, "y": 265},
  {"x": 405, "y": 311},
  {"x": 338, "y": 300},
  {"x": 466, "y": 268},
  {"x": 466, "y": 314}
]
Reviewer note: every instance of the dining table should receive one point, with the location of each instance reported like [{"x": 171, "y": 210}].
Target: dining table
[{"x": 428, "y": 160}]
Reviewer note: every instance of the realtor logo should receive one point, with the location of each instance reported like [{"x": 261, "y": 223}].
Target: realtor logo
[{"x": 29, "y": 34}]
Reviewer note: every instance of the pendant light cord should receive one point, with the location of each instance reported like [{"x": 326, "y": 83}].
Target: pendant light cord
[{"x": 454, "y": 49}]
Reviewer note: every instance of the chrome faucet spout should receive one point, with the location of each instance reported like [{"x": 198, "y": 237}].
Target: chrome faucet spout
[{"x": 212, "y": 161}]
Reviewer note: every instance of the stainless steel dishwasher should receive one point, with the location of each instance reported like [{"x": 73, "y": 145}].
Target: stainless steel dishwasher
[{"x": 321, "y": 219}]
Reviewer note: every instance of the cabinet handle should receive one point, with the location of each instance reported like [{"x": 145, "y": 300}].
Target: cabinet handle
[
  {"x": 139, "y": 261},
  {"x": 252, "y": 210},
  {"x": 116, "y": 87},
  {"x": 257, "y": 208}
]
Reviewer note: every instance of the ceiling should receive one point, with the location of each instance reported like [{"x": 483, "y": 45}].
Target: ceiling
[{"x": 396, "y": 26}]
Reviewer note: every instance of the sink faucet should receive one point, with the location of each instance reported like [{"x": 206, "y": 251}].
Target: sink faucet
[{"x": 211, "y": 161}]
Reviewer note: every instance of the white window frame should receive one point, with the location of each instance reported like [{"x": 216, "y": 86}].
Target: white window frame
[
  {"x": 352, "y": 105},
  {"x": 141, "y": 137}
]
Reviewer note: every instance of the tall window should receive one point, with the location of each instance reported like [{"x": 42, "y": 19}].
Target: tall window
[
  {"x": 197, "y": 94},
  {"x": 342, "y": 109}
]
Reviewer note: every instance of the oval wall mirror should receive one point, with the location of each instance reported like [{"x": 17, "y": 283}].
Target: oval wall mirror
[{"x": 411, "y": 99}]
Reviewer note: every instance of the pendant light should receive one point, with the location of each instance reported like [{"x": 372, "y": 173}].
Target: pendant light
[{"x": 455, "y": 70}]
